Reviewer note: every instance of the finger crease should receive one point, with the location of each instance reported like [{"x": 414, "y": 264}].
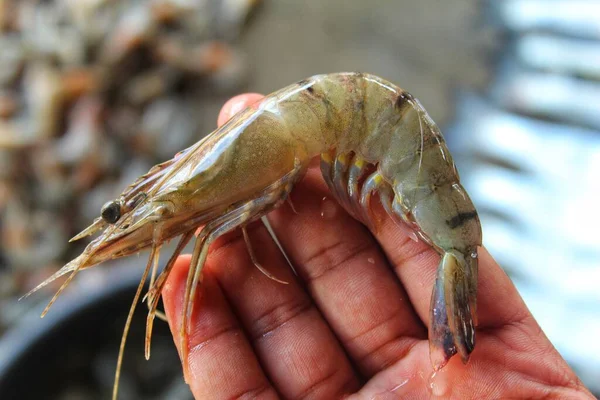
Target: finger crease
[
  {"x": 227, "y": 330},
  {"x": 277, "y": 316},
  {"x": 334, "y": 260},
  {"x": 402, "y": 258},
  {"x": 324, "y": 381},
  {"x": 254, "y": 392},
  {"x": 396, "y": 314},
  {"x": 406, "y": 348}
]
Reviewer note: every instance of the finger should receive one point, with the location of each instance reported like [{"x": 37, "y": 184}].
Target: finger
[
  {"x": 237, "y": 104},
  {"x": 348, "y": 277},
  {"x": 295, "y": 346},
  {"x": 222, "y": 363}
]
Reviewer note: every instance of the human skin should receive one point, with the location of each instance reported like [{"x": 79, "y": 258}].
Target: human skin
[{"x": 353, "y": 323}]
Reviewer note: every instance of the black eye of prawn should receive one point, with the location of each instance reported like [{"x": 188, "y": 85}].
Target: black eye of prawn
[{"x": 111, "y": 212}]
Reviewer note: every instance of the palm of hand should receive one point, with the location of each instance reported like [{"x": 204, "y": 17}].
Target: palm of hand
[{"x": 354, "y": 322}]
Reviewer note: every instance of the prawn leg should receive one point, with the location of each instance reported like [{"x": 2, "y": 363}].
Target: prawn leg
[
  {"x": 357, "y": 171},
  {"x": 291, "y": 204},
  {"x": 398, "y": 214},
  {"x": 254, "y": 259},
  {"x": 373, "y": 183},
  {"x": 154, "y": 271},
  {"x": 339, "y": 178},
  {"x": 269, "y": 228},
  {"x": 342, "y": 175},
  {"x": 156, "y": 289},
  {"x": 161, "y": 315},
  {"x": 238, "y": 217},
  {"x": 210, "y": 232},
  {"x": 327, "y": 170},
  {"x": 347, "y": 184}
]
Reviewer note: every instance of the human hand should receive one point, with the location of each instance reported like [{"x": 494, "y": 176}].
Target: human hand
[{"x": 354, "y": 322}]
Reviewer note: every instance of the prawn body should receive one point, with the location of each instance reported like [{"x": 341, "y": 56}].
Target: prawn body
[{"x": 373, "y": 139}]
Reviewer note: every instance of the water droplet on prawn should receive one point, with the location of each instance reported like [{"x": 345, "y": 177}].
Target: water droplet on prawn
[
  {"x": 371, "y": 260},
  {"x": 328, "y": 208}
]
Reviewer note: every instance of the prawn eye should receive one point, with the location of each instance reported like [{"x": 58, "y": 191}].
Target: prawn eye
[{"x": 111, "y": 212}]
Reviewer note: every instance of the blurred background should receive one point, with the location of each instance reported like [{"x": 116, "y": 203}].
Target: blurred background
[{"x": 95, "y": 92}]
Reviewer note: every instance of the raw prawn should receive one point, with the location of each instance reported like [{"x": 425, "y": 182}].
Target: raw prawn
[{"x": 372, "y": 137}]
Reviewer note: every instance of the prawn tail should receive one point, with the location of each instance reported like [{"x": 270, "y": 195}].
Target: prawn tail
[{"x": 453, "y": 320}]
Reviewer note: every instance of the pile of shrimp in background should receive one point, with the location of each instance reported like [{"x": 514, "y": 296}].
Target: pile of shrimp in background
[{"x": 92, "y": 94}]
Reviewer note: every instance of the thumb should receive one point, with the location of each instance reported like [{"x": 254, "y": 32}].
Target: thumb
[{"x": 237, "y": 104}]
